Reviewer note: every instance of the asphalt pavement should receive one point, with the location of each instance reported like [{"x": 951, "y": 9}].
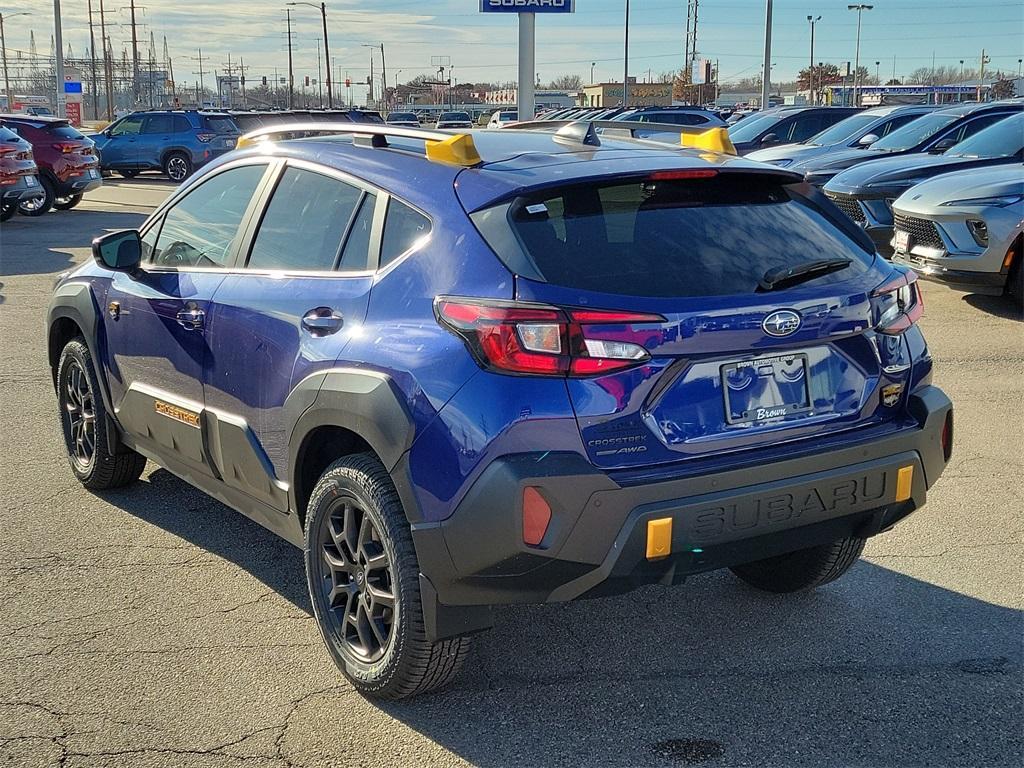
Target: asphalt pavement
[{"x": 154, "y": 627}]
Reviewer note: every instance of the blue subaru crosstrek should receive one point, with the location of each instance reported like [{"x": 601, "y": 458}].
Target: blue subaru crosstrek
[
  {"x": 176, "y": 142},
  {"x": 464, "y": 370}
]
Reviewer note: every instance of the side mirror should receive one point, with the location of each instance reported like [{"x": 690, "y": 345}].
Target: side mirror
[
  {"x": 118, "y": 251},
  {"x": 868, "y": 140},
  {"x": 942, "y": 146},
  {"x": 769, "y": 139}
]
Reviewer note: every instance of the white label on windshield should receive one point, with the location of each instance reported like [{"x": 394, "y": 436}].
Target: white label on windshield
[{"x": 537, "y": 208}]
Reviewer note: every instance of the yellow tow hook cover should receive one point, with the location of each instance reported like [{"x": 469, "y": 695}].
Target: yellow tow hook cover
[
  {"x": 458, "y": 150},
  {"x": 904, "y": 483},
  {"x": 714, "y": 139},
  {"x": 659, "y": 538}
]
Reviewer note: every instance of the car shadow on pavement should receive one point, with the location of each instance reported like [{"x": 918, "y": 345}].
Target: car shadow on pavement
[
  {"x": 27, "y": 247},
  {"x": 878, "y": 668},
  {"x": 1000, "y": 306}
]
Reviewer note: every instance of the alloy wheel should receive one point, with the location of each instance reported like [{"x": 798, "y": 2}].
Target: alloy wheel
[
  {"x": 177, "y": 168},
  {"x": 80, "y": 409},
  {"x": 356, "y": 580}
]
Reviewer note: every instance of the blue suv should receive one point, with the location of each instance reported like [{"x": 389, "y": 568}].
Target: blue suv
[
  {"x": 462, "y": 370},
  {"x": 175, "y": 142}
]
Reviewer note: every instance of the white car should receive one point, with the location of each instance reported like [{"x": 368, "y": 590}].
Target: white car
[
  {"x": 503, "y": 117},
  {"x": 454, "y": 120}
]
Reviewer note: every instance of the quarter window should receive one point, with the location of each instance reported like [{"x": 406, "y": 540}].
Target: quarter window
[
  {"x": 305, "y": 223},
  {"x": 201, "y": 229},
  {"x": 404, "y": 228}
]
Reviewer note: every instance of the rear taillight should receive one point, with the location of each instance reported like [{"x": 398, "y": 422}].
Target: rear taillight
[
  {"x": 898, "y": 304},
  {"x": 67, "y": 147},
  {"x": 206, "y": 136},
  {"x": 947, "y": 437},
  {"x": 540, "y": 340}
]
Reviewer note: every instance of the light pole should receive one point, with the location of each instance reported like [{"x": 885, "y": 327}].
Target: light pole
[
  {"x": 878, "y": 72},
  {"x": 322, "y": 7},
  {"x": 594, "y": 64},
  {"x": 625, "y": 76},
  {"x": 3, "y": 54},
  {"x": 766, "y": 71},
  {"x": 859, "y": 8},
  {"x": 810, "y": 71},
  {"x": 58, "y": 55}
]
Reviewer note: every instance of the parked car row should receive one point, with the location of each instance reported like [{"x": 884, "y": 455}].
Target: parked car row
[
  {"x": 45, "y": 164},
  {"x": 938, "y": 189}
]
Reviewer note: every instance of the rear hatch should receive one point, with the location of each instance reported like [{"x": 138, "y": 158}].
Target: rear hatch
[
  {"x": 220, "y": 131},
  {"x": 716, "y": 347}
]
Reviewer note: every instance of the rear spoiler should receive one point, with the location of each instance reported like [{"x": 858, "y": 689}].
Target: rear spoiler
[{"x": 693, "y": 137}]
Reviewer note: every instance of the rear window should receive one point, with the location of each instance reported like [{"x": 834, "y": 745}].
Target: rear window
[
  {"x": 406, "y": 116},
  {"x": 698, "y": 237},
  {"x": 62, "y": 131},
  {"x": 221, "y": 124}
]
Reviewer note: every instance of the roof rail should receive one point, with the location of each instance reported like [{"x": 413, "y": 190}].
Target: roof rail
[
  {"x": 693, "y": 137},
  {"x": 441, "y": 147}
]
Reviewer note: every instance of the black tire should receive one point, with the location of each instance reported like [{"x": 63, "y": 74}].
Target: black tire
[
  {"x": 178, "y": 166},
  {"x": 1015, "y": 280},
  {"x": 345, "y": 585},
  {"x": 66, "y": 203},
  {"x": 7, "y": 210},
  {"x": 78, "y": 394},
  {"x": 128, "y": 174},
  {"x": 802, "y": 570},
  {"x": 39, "y": 206}
]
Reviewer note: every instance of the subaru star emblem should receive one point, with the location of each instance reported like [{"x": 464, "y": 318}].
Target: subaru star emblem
[{"x": 782, "y": 322}]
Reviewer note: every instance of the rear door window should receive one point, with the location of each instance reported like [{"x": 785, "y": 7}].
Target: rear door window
[
  {"x": 355, "y": 257},
  {"x": 158, "y": 124},
  {"x": 804, "y": 127},
  {"x": 702, "y": 237},
  {"x": 305, "y": 223},
  {"x": 181, "y": 124}
]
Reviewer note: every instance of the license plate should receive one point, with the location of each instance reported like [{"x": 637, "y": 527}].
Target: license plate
[
  {"x": 766, "y": 389},
  {"x": 30, "y": 181},
  {"x": 902, "y": 241}
]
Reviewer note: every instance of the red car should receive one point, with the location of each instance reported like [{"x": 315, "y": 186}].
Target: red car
[
  {"x": 18, "y": 173},
  {"x": 68, "y": 165}
]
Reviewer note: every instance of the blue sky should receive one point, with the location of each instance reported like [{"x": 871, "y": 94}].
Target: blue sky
[{"x": 484, "y": 47}]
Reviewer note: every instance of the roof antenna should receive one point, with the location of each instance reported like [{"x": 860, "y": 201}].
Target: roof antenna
[{"x": 580, "y": 132}]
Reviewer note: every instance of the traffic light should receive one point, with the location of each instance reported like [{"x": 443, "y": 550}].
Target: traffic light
[
  {"x": 348, "y": 82},
  {"x": 264, "y": 80},
  {"x": 307, "y": 81}
]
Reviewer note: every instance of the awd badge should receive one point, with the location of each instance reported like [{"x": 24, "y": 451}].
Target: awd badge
[{"x": 891, "y": 395}]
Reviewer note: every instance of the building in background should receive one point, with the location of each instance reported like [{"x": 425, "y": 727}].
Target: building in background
[{"x": 640, "y": 94}]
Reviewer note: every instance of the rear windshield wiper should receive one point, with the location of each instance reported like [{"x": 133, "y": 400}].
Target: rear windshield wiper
[{"x": 784, "y": 277}]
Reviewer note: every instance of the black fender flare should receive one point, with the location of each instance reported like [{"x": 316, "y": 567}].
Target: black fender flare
[
  {"x": 75, "y": 301},
  {"x": 365, "y": 402}
]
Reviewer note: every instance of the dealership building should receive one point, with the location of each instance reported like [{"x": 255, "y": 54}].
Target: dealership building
[{"x": 640, "y": 94}]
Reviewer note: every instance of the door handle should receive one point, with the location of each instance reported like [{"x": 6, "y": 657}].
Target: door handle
[
  {"x": 322, "y": 321},
  {"x": 191, "y": 319}
]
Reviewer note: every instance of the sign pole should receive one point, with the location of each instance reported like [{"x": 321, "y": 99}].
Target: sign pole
[
  {"x": 58, "y": 53},
  {"x": 527, "y": 62}
]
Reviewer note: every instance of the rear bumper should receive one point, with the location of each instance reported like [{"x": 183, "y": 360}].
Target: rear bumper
[
  {"x": 80, "y": 184},
  {"x": 596, "y": 542},
  {"x": 22, "y": 190}
]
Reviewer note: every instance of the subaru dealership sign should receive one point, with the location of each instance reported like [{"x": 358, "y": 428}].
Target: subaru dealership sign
[{"x": 526, "y": 6}]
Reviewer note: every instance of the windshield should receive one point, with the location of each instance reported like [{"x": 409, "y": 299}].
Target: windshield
[
  {"x": 669, "y": 238},
  {"x": 1003, "y": 139},
  {"x": 843, "y": 131},
  {"x": 914, "y": 132},
  {"x": 752, "y": 127}
]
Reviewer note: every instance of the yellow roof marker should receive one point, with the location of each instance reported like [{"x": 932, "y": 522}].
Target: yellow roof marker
[
  {"x": 458, "y": 150},
  {"x": 714, "y": 139}
]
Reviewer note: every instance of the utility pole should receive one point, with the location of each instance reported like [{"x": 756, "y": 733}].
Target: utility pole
[
  {"x": 291, "y": 69},
  {"x": 692, "y": 8},
  {"x": 241, "y": 69},
  {"x": 384, "y": 78},
  {"x": 152, "y": 68},
  {"x": 170, "y": 74},
  {"x": 981, "y": 75},
  {"x": 810, "y": 70},
  {"x": 92, "y": 66},
  {"x": 201, "y": 89},
  {"x": 766, "y": 74},
  {"x": 327, "y": 57},
  {"x": 58, "y": 57},
  {"x": 135, "y": 62},
  {"x": 625, "y": 50},
  {"x": 108, "y": 65},
  {"x": 859, "y": 8},
  {"x": 319, "y": 75}
]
